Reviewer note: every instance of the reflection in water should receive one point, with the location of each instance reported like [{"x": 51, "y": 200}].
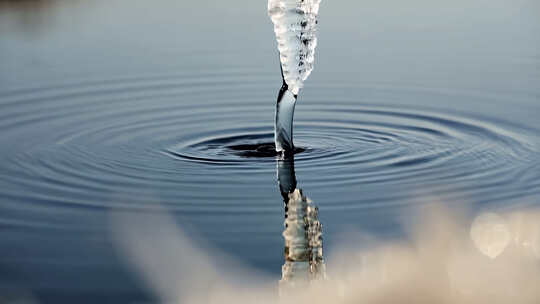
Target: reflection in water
[{"x": 303, "y": 232}]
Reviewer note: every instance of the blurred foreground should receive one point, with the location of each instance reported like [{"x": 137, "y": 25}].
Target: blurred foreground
[{"x": 495, "y": 258}]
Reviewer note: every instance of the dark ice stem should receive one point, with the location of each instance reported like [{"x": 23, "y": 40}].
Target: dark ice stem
[{"x": 283, "y": 126}]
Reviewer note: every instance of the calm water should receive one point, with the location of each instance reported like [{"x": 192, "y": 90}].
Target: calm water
[{"x": 137, "y": 106}]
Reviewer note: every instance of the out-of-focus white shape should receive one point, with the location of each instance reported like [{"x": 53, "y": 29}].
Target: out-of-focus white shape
[
  {"x": 171, "y": 265},
  {"x": 295, "y": 23},
  {"x": 525, "y": 228},
  {"x": 176, "y": 269},
  {"x": 377, "y": 272},
  {"x": 490, "y": 234}
]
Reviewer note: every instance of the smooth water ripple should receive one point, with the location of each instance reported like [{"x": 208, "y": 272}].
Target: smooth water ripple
[
  {"x": 131, "y": 140},
  {"x": 108, "y": 107}
]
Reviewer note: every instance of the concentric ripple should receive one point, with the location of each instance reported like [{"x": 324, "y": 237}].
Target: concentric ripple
[{"x": 169, "y": 138}]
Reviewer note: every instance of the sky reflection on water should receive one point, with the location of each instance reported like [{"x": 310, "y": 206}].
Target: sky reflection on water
[{"x": 131, "y": 107}]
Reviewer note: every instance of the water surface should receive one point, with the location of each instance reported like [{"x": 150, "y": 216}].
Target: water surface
[{"x": 135, "y": 106}]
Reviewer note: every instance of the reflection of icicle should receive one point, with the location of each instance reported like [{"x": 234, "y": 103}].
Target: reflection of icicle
[{"x": 303, "y": 233}]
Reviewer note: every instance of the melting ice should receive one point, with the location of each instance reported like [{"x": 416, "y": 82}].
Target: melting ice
[{"x": 295, "y": 23}]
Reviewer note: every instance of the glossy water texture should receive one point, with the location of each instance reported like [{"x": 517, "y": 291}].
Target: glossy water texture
[{"x": 138, "y": 106}]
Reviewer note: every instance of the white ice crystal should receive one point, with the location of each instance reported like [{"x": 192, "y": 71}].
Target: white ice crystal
[{"x": 295, "y": 23}]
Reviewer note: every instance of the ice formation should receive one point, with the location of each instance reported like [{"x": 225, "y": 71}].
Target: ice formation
[{"x": 295, "y": 24}]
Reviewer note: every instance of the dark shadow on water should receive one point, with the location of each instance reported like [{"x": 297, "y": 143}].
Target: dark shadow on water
[
  {"x": 35, "y": 17},
  {"x": 259, "y": 150},
  {"x": 30, "y": 15}
]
